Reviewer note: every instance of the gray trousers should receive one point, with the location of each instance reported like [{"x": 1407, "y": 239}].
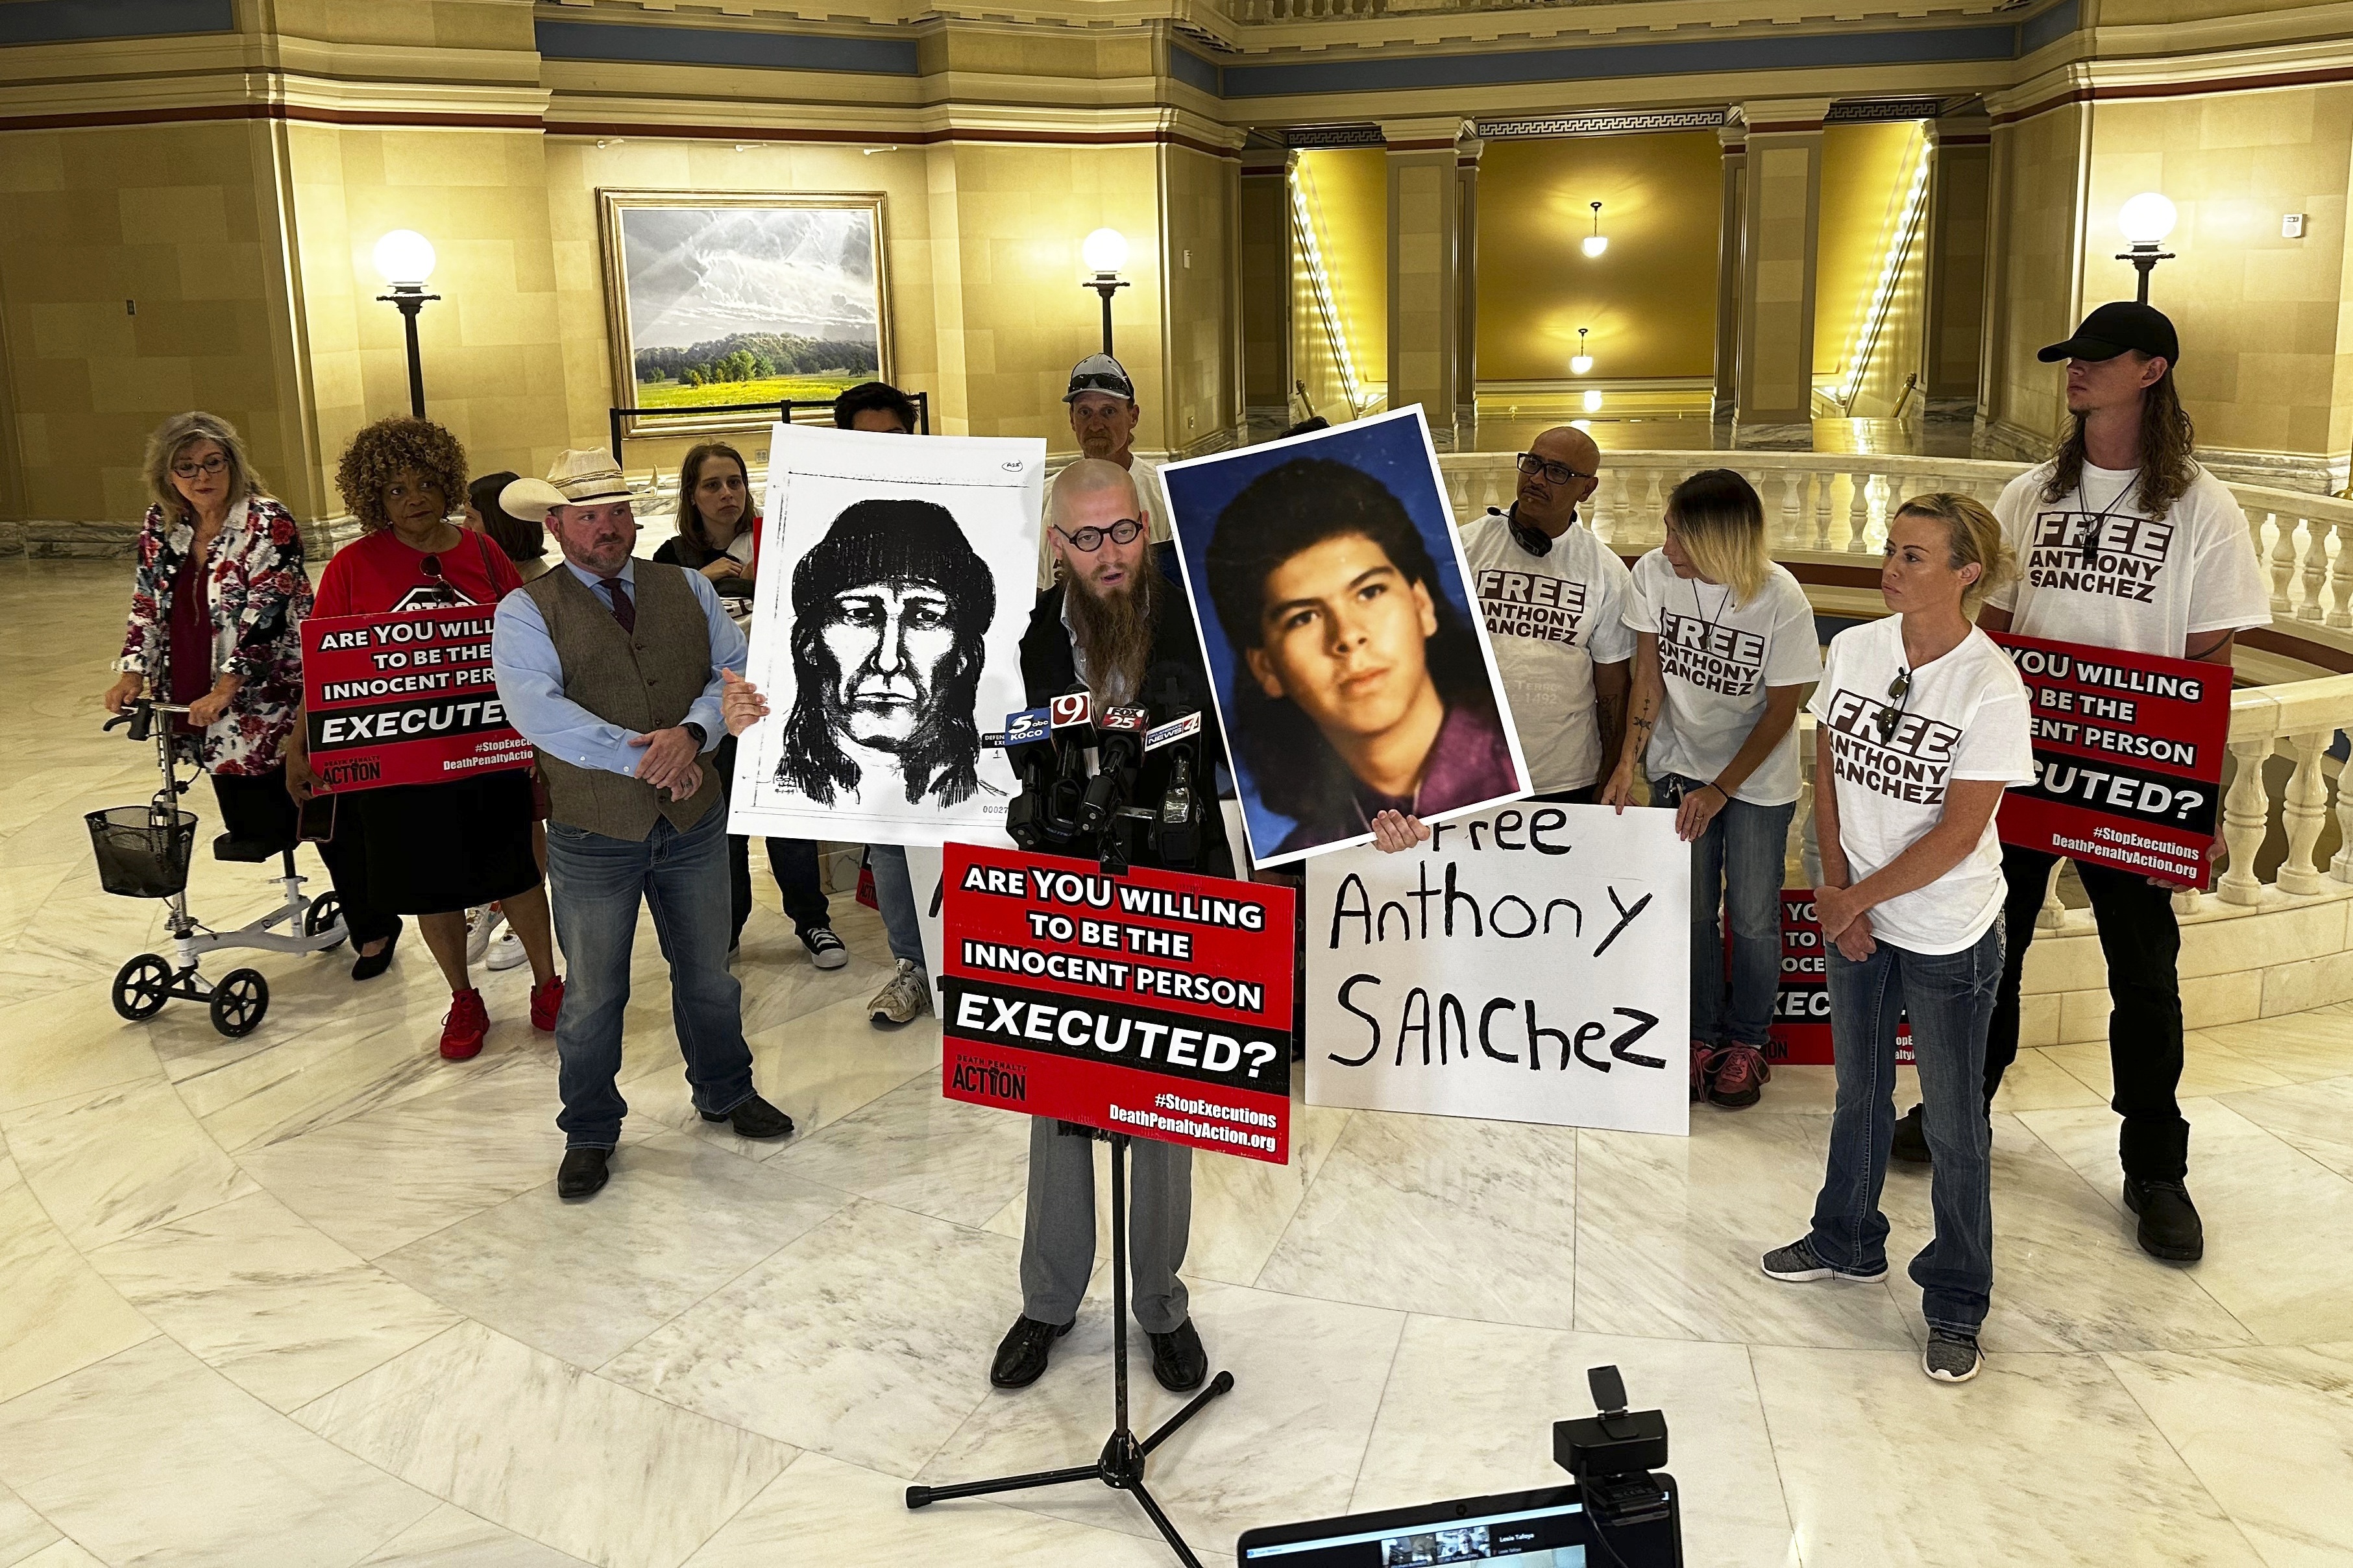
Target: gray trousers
[{"x": 1058, "y": 1241}]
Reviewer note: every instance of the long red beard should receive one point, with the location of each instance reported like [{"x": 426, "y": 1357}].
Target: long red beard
[{"x": 1114, "y": 631}]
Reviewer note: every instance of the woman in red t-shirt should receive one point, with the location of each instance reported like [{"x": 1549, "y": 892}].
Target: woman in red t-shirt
[{"x": 434, "y": 850}]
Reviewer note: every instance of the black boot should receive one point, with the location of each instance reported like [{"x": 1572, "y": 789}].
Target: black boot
[
  {"x": 1911, "y": 1138},
  {"x": 583, "y": 1172},
  {"x": 2169, "y": 1225}
]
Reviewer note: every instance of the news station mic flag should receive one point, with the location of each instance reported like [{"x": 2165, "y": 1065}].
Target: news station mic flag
[{"x": 895, "y": 578}]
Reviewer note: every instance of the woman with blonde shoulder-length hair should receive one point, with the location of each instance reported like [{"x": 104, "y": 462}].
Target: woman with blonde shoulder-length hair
[
  {"x": 216, "y": 607},
  {"x": 436, "y": 850},
  {"x": 1725, "y": 651},
  {"x": 1921, "y": 724}
]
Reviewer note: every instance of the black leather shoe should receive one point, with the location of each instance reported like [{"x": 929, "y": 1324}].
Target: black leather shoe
[
  {"x": 1177, "y": 1358},
  {"x": 1023, "y": 1354},
  {"x": 755, "y": 1118},
  {"x": 583, "y": 1172},
  {"x": 1911, "y": 1138},
  {"x": 2169, "y": 1225},
  {"x": 368, "y": 968}
]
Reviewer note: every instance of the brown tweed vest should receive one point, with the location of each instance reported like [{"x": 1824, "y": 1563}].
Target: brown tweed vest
[{"x": 642, "y": 680}]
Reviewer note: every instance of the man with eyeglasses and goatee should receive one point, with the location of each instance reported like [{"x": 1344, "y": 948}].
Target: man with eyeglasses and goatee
[
  {"x": 2128, "y": 542},
  {"x": 1554, "y": 597}
]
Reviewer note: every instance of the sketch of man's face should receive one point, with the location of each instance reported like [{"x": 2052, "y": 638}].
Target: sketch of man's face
[{"x": 889, "y": 644}]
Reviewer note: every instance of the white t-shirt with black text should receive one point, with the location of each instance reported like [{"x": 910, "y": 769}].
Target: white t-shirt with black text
[
  {"x": 1717, "y": 657},
  {"x": 2123, "y": 580},
  {"x": 1964, "y": 717},
  {"x": 1551, "y": 617}
]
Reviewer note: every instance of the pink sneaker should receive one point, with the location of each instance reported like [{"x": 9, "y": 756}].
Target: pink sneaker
[
  {"x": 1701, "y": 1055},
  {"x": 546, "y": 1002},
  {"x": 1738, "y": 1077}
]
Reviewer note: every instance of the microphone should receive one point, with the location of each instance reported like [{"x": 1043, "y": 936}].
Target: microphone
[
  {"x": 1122, "y": 745},
  {"x": 1073, "y": 735},
  {"x": 1025, "y": 820}
]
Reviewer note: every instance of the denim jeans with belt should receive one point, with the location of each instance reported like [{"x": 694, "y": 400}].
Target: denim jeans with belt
[
  {"x": 597, "y": 883},
  {"x": 1742, "y": 857},
  {"x": 894, "y": 898},
  {"x": 1949, "y": 997}
]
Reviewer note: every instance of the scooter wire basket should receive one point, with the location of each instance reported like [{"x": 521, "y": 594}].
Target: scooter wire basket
[{"x": 142, "y": 850}]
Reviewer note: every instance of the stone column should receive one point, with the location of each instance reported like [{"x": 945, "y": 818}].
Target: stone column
[
  {"x": 1775, "y": 384},
  {"x": 1733, "y": 138},
  {"x": 1265, "y": 246},
  {"x": 1960, "y": 160},
  {"x": 1466, "y": 280},
  {"x": 1425, "y": 316}
]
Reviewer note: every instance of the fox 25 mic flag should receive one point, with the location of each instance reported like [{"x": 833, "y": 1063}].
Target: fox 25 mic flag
[{"x": 896, "y": 575}]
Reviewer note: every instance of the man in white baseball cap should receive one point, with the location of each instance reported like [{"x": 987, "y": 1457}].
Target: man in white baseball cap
[{"x": 1103, "y": 416}]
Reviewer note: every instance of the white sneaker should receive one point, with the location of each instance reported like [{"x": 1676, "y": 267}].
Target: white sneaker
[
  {"x": 481, "y": 922},
  {"x": 904, "y": 997},
  {"x": 507, "y": 952},
  {"x": 825, "y": 949}
]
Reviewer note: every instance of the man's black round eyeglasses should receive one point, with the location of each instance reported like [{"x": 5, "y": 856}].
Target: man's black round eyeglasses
[
  {"x": 1558, "y": 473},
  {"x": 1088, "y": 539}
]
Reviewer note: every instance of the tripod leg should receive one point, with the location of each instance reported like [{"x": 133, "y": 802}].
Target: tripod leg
[
  {"x": 1221, "y": 1383},
  {"x": 1167, "y": 1529},
  {"x": 917, "y": 1496}
]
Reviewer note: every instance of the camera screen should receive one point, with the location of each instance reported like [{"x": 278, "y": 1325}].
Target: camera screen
[{"x": 1532, "y": 1537}]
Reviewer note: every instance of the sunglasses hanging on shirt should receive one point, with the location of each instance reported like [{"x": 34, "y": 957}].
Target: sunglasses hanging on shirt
[
  {"x": 1891, "y": 715},
  {"x": 440, "y": 593}
]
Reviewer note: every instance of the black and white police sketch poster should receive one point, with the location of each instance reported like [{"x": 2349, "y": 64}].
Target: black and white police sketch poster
[
  {"x": 1527, "y": 963},
  {"x": 895, "y": 577}
]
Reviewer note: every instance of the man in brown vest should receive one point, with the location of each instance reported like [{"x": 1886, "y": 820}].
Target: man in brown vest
[{"x": 611, "y": 668}]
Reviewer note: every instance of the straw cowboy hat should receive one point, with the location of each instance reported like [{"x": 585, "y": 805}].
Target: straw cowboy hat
[{"x": 578, "y": 478}]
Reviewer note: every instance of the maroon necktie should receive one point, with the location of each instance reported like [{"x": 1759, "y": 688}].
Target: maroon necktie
[{"x": 622, "y": 610}]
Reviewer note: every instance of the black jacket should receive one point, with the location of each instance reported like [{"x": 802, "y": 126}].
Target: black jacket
[{"x": 1175, "y": 683}]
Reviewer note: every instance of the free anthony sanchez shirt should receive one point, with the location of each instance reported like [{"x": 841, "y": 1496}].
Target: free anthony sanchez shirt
[
  {"x": 1716, "y": 658},
  {"x": 1964, "y": 717},
  {"x": 1551, "y": 617},
  {"x": 2097, "y": 571}
]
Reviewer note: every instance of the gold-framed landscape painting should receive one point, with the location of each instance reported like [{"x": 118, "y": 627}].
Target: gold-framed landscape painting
[{"x": 741, "y": 298}]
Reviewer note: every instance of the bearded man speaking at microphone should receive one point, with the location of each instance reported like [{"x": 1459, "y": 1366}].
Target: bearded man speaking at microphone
[{"x": 1119, "y": 624}]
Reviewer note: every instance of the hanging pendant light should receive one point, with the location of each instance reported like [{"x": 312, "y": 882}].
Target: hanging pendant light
[
  {"x": 1597, "y": 242},
  {"x": 1583, "y": 361}
]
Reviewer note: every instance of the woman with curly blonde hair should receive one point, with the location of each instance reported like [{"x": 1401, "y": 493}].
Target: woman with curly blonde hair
[{"x": 434, "y": 850}]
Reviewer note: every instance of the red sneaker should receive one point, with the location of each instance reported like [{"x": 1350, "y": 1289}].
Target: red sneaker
[
  {"x": 546, "y": 1002},
  {"x": 463, "y": 1028},
  {"x": 1739, "y": 1078},
  {"x": 1703, "y": 1054}
]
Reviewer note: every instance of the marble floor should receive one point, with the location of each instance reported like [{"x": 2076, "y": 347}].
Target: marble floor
[{"x": 308, "y": 1298}]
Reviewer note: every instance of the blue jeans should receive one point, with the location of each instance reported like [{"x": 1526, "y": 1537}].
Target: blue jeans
[
  {"x": 1950, "y": 998},
  {"x": 895, "y": 895},
  {"x": 1740, "y": 858},
  {"x": 596, "y": 883}
]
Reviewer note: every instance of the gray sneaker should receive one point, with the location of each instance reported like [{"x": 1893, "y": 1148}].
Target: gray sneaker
[
  {"x": 904, "y": 998},
  {"x": 1798, "y": 1263},
  {"x": 1950, "y": 1357}
]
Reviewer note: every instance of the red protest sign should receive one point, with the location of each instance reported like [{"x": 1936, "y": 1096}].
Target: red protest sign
[
  {"x": 1800, "y": 1032},
  {"x": 1155, "y": 1003},
  {"x": 2127, "y": 758},
  {"x": 405, "y": 699}
]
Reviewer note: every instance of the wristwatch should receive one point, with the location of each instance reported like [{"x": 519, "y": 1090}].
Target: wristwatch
[{"x": 701, "y": 736}]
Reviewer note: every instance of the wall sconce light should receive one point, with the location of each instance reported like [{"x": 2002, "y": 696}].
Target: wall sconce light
[
  {"x": 1593, "y": 401},
  {"x": 405, "y": 260},
  {"x": 1597, "y": 242},
  {"x": 2146, "y": 220},
  {"x": 1105, "y": 252},
  {"x": 1583, "y": 361}
]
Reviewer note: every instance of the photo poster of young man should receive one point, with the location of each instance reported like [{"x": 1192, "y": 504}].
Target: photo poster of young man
[
  {"x": 895, "y": 580},
  {"x": 1352, "y": 672}
]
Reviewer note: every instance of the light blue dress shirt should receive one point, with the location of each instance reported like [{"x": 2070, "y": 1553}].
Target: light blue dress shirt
[{"x": 531, "y": 679}]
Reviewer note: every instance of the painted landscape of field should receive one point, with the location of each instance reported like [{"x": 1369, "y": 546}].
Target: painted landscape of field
[{"x": 750, "y": 367}]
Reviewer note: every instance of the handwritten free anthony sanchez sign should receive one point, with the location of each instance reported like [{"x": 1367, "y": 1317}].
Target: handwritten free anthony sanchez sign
[{"x": 1527, "y": 963}]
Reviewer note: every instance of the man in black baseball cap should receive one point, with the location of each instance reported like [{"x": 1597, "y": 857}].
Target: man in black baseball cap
[
  {"x": 2117, "y": 328},
  {"x": 2125, "y": 542}
]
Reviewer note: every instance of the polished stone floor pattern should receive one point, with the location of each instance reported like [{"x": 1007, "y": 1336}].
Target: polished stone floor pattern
[{"x": 308, "y": 1298}]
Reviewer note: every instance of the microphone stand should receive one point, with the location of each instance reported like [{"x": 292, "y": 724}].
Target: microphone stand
[{"x": 1121, "y": 1464}]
